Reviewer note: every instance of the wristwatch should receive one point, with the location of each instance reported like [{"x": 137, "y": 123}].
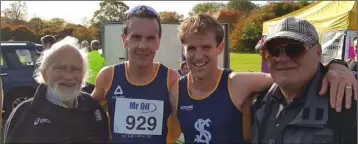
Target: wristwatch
[{"x": 338, "y": 61}]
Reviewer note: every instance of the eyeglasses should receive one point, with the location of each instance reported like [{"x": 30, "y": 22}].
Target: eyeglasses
[
  {"x": 292, "y": 50},
  {"x": 142, "y": 8}
]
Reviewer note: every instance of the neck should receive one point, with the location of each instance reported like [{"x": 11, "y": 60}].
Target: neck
[
  {"x": 140, "y": 74},
  {"x": 69, "y": 104},
  {"x": 208, "y": 83},
  {"x": 290, "y": 92}
]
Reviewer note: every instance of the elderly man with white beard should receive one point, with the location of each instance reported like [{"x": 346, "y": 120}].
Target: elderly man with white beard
[{"x": 59, "y": 112}]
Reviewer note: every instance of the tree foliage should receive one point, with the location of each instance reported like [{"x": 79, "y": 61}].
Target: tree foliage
[
  {"x": 16, "y": 13},
  {"x": 110, "y": 10},
  {"x": 249, "y": 32},
  {"x": 242, "y": 5},
  {"x": 170, "y": 16},
  {"x": 207, "y": 7}
]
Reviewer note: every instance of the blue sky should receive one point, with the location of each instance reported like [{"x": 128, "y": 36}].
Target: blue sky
[{"x": 76, "y": 11}]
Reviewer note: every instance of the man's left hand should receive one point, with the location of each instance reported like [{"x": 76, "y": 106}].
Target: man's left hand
[{"x": 342, "y": 84}]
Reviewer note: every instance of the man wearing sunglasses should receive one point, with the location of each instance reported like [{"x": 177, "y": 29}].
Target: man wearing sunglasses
[
  {"x": 137, "y": 91},
  {"x": 292, "y": 110}
]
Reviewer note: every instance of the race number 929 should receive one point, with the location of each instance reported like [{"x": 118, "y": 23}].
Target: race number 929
[{"x": 141, "y": 123}]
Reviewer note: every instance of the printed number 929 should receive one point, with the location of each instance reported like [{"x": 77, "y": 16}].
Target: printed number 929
[{"x": 139, "y": 123}]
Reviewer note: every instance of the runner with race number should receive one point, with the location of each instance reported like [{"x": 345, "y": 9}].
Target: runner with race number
[{"x": 137, "y": 91}]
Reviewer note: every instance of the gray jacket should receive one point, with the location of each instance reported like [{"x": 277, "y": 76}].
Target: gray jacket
[{"x": 305, "y": 131}]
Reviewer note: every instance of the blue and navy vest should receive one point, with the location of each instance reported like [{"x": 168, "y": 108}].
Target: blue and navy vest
[
  {"x": 137, "y": 111},
  {"x": 214, "y": 119}
]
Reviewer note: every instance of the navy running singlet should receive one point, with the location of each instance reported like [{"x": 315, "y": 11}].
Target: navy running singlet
[
  {"x": 138, "y": 114},
  {"x": 214, "y": 119}
]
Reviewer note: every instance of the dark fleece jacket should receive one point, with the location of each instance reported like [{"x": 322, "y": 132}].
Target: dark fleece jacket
[{"x": 39, "y": 121}]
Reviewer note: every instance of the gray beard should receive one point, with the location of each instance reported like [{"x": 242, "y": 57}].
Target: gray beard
[{"x": 64, "y": 97}]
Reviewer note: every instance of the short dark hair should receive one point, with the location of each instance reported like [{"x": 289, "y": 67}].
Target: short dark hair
[
  {"x": 48, "y": 39},
  {"x": 354, "y": 39},
  {"x": 143, "y": 13}
]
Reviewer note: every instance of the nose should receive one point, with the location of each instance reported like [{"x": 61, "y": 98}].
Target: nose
[
  {"x": 199, "y": 54},
  {"x": 143, "y": 44},
  {"x": 68, "y": 76},
  {"x": 282, "y": 57}
]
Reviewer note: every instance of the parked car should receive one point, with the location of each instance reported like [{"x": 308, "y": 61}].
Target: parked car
[{"x": 17, "y": 65}]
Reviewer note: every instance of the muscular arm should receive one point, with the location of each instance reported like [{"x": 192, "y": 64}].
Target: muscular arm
[
  {"x": 103, "y": 82},
  {"x": 242, "y": 86},
  {"x": 174, "y": 131}
]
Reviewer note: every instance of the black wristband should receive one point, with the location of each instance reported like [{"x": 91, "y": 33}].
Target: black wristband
[{"x": 338, "y": 61}]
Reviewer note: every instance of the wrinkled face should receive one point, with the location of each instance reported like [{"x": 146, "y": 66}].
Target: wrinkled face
[
  {"x": 185, "y": 70},
  {"x": 355, "y": 47},
  {"x": 201, "y": 52},
  {"x": 290, "y": 62},
  {"x": 142, "y": 40},
  {"x": 64, "y": 75}
]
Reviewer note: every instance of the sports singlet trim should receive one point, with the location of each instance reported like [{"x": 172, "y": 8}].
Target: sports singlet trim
[
  {"x": 211, "y": 92},
  {"x": 110, "y": 82},
  {"x": 142, "y": 84},
  {"x": 230, "y": 93}
]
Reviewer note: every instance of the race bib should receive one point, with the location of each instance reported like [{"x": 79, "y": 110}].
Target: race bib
[{"x": 138, "y": 116}]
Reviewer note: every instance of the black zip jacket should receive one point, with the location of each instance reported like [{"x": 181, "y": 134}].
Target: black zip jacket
[{"x": 39, "y": 121}]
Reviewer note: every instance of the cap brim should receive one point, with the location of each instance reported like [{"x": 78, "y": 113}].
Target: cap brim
[{"x": 288, "y": 35}]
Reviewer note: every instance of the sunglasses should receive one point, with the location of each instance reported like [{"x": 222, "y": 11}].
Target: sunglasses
[
  {"x": 142, "y": 8},
  {"x": 292, "y": 50}
]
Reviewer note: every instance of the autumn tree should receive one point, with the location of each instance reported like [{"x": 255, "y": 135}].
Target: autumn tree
[
  {"x": 207, "y": 7},
  {"x": 36, "y": 24},
  {"x": 242, "y": 5},
  {"x": 56, "y": 22},
  {"x": 170, "y": 16},
  {"x": 249, "y": 32},
  {"x": 23, "y": 33},
  {"x": 85, "y": 33},
  {"x": 110, "y": 10},
  {"x": 16, "y": 13},
  {"x": 6, "y": 32}
]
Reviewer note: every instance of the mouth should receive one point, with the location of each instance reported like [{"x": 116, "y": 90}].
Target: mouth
[
  {"x": 200, "y": 64},
  {"x": 286, "y": 69},
  {"x": 70, "y": 85}
]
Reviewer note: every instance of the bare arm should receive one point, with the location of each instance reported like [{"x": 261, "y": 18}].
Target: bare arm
[
  {"x": 1, "y": 103},
  {"x": 174, "y": 131},
  {"x": 103, "y": 82}
]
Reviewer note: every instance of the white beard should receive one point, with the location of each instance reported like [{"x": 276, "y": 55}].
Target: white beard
[{"x": 64, "y": 95}]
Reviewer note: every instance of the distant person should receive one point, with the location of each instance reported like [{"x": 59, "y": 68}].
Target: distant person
[
  {"x": 84, "y": 45},
  {"x": 184, "y": 69},
  {"x": 47, "y": 41},
  {"x": 96, "y": 63},
  {"x": 352, "y": 62},
  {"x": 59, "y": 112}
]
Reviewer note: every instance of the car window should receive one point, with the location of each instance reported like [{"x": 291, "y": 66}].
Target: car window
[
  {"x": 25, "y": 57},
  {"x": 2, "y": 63}
]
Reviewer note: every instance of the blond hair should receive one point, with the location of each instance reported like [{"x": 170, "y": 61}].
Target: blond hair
[
  {"x": 201, "y": 23},
  {"x": 45, "y": 61}
]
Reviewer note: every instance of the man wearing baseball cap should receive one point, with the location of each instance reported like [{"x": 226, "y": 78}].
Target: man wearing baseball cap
[{"x": 292, "y": 110}]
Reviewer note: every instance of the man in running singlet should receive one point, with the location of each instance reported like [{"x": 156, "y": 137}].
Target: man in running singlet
[
  {"x": 137, "y": 91},
  {"x": 211, "y": 103}
]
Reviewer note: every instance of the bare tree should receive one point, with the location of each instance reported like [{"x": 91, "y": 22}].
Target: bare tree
[{"x": 16, "y": 12}]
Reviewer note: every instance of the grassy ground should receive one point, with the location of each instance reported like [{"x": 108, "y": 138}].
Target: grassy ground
[{"x": 245, "y": 62}]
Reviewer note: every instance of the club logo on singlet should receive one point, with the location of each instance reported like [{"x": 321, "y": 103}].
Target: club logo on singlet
[
  {"x": 204, "y": 135},
  {"x": 138, "y": 116}
]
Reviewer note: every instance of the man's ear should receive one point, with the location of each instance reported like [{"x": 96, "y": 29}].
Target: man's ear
[
  {"x": 44, "y": 76},
  {"x": 220, "y": 48},
  {"x": 124, "y": 42}
]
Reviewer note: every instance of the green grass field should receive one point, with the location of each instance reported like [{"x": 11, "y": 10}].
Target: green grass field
[{"x": 243, "y": 62}]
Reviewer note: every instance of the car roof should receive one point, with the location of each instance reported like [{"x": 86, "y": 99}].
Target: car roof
[{"x": 20, "y": 43}]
